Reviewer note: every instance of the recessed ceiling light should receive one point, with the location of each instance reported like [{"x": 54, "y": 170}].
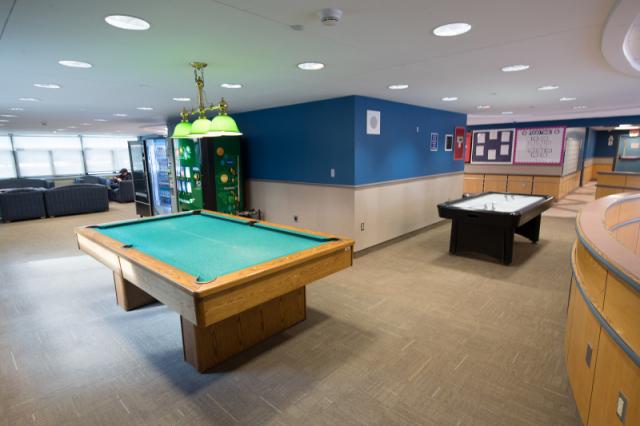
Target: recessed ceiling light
[
  {"x": 101, "y": 120},
  {"x": 231, "y": 86},
  {"x": 515, "y": 68},
  {"x": 75, "y": 64},
  {"x": 16, "y": 109},
  {"x": 71, "y": 127},
  {"x": 29, "y": 99},
  {"x": 483, "y": 106},
  {"x": 450, "y": 30},
  {"x": 580, "y": 107},
  {"x": 145, "y": 108},
  {"x": 565, "y": 99},
  {"x": 624, "y": 126},
  {"x": 450, "y": 98},
  {"x": 8, "y": 116},
  {"x": 398, "y": 86},
  {"x": 507, "y": 112},
  {"x": 182, "y": 99},
  {"x": 125, "y": 22},
  {"x": 47, "y": 85},
  {"x": 311, "y": 66},
  {"x": 547, "y": 88},
  {"x": 59, "y": 130},
  {"x": 119, "y": 114},
  {"x": 85, "y": 124}
]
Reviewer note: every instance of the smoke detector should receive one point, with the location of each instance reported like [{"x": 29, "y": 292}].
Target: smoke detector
[{"x": 330, "y": 17}]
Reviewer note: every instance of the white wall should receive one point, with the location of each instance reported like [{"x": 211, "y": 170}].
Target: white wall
[
  {"x": 393, "y": 209},
  {"x": 322, "y": 208}
]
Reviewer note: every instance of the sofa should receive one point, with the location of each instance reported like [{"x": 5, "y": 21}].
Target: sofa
[
  {"x": 76, "y": 199},
  {"x": 22, "y": 203},
  {"x": 123, "y": 193},
  {"x": 25, "y": 183},
  {"x": 93, "y": 179}
]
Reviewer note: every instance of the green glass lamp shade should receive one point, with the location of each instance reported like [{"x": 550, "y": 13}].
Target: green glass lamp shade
[
  {"x": 200, "y": 126},
  {"x": 182, "y": 130},
  {"x": 224, "y": 125}
]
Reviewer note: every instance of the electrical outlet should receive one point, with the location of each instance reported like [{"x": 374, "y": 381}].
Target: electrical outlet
[
  {"x": 333, "y": 173},
  {"x": 295, "y": 218},
  {"x": 362, "y": 226},
  {"x": 621, "y": 407}
]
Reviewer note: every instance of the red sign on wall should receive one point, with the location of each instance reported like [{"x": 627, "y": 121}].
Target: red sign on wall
[
  {"x": 467, "y": 148},
  {"x": 458, "y": 145}
]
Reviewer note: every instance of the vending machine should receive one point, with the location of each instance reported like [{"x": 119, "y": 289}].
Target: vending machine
[
  {"x": 209, "y": 174},
  {"x": 152, "y": 171}
]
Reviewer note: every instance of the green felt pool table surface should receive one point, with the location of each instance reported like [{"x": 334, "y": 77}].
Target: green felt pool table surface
[{"x": 208, "y": 246}]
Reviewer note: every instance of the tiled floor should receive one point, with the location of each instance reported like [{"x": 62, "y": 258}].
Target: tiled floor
[{"x": 409, "y": 335}]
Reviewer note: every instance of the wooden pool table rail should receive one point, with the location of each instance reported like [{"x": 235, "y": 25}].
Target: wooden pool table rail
[{"x": 224, "y": 316}]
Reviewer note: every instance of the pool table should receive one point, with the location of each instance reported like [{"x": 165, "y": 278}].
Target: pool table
[
  {"x": 486, "y": 223},
  {"x": 234, "y": 281}
]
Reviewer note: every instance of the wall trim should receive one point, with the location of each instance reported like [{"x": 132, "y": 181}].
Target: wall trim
[
  {"x": 376, "y": 247},
  {"x": 361, "y": 186}
]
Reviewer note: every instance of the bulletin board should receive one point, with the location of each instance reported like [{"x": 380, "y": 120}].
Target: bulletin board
[
  {"x": 540, "y": 146},
  {"x": 493, "y": 146}
]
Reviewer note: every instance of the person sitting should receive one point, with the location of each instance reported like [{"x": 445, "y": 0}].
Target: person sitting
[{"x": 123, "y": 174}]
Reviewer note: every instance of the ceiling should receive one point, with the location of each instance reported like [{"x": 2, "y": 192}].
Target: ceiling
[{"x": 377, "y": 43}]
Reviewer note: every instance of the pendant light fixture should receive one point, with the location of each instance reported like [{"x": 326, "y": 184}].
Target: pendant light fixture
[{"x": 221, "y": 125}]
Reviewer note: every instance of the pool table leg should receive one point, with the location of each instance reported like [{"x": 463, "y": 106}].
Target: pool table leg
[
  {"x": 205, "y": 347},
  {"x": 128, "y": 295}
]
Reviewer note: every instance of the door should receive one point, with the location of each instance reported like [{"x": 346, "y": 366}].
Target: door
[{"x": 139, "y": 174}]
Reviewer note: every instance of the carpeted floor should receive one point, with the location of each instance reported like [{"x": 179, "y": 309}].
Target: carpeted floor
[{"x": 409, "y": 335}]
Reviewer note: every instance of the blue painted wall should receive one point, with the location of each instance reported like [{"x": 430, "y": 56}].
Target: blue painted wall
[
  {"x": 302, "y": 142},
  {"x": 602, "y": 148},
  {"x": 590, "y": 144},
  {"x": 401, "y": 152}
]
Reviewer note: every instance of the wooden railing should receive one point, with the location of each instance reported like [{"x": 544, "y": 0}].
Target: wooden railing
[{"x": 602, "y": 342}]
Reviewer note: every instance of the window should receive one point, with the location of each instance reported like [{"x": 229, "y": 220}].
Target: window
[
  {"x": 48, "y": 155},
  {"x": 106, "y": 155},
  {"x": 7, "y": 165}
]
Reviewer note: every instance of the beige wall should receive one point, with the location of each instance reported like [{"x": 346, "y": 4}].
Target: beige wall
[
  {"x": 322, "y": 208},
  {"x": 393, "y": 209},
  {"x": 387, "y": 210}
]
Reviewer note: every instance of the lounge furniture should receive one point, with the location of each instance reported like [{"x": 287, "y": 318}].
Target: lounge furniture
[
  {"x": 92, "y": 179},
  {"x": 22, "y": 203},
  {"x": 25, "y": 183},
  {"x": 123, "y": 193},
  {"x": 76, "y": 199}
]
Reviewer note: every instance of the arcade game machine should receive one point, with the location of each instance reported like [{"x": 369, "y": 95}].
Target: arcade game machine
[
  {"x": 209, "y": 174},
  {"x": 152, "y": 165}
]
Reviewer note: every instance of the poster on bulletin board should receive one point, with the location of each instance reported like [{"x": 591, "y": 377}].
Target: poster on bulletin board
[
  {"x": 540, "y": 146},
  {"x": 433, "y": 146},
  {"x": 492, "y": 146}
]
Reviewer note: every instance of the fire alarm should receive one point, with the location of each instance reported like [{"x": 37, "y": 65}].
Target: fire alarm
[{"x": 330, "y": 16}]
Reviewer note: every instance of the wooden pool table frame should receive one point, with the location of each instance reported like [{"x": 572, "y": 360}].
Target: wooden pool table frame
[{"x": 225, "y": 316}]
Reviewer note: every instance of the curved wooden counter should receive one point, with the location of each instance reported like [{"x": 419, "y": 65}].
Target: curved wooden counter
[{"x": 602, "y": 342}]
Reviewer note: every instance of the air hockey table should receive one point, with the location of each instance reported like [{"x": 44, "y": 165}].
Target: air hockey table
[{"x": 486, "y": 223}]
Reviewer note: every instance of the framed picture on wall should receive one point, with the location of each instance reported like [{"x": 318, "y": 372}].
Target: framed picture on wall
[
  {"x": 448, "y": 142},
  {"x": 433, "y": 144}
]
